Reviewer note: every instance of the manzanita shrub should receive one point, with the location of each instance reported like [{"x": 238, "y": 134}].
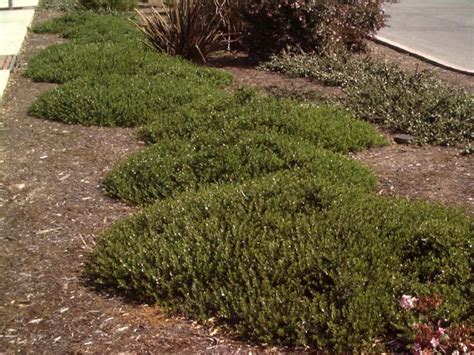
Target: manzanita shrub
[
  {"x": 68, "y": 61},
  {"x": 309, "y": 25},
  {"x": 121, "y": 100},
  {"x": 109, "y": 5}
]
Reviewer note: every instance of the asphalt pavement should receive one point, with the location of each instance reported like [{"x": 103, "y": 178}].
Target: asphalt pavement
[{"x": 439, "y": 30}]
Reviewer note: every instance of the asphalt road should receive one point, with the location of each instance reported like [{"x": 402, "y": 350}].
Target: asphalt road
[{"x": 442, "y": 30}]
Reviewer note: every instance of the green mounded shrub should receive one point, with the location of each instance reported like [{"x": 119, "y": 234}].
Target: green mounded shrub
[
  {"x": 58, "y": 5},
  {"x": 173, "y": 166},
  {"x": 325, "y": 126},
  {"x": 118, "y": 100},
  {"x": 417, "y": 104},
  {"x": 292, "y": 259},
  {"x": 90, "y": 27},
  {"x": 109, "y": 5},
  {"x": 65, "y": 62}
]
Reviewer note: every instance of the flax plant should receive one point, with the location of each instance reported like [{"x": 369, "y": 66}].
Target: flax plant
[{"x": 188, "y": 28}]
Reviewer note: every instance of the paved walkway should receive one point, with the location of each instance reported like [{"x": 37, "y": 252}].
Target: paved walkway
[
  {"x": 440, "y": 30},
  {"x": 13, "y": 28}
]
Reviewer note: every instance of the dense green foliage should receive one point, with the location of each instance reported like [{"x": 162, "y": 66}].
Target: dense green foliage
[
  {"x": 333, "y": 69},
  {"x": 173, "y": 166},
  {"x": 58, "y": 5},
  {"x": 325, "y": 126},
  {"x": 118, "y": 100},
  {"x": 109, "y": 5},
  {"x": 65, "y": 62},
  {"x": 292, "y": 258},
  {"x": 416, "y": 104},
  {"x": 83, "y": 26}
]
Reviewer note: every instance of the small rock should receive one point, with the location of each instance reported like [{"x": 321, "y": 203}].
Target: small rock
[{"x": 402, "y": 138}]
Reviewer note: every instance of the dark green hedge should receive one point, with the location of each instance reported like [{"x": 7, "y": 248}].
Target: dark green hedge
[
  {"x": 173, "y": 166},
  {"x": 294, "y": 259}
]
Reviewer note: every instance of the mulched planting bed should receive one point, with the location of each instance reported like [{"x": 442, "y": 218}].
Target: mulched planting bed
[{"x": 55, "y": 207}]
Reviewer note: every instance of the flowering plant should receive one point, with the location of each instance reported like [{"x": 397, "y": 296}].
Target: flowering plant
[
  {"x": 309, "y": 25},
  {"x": 430, "y": 336}
]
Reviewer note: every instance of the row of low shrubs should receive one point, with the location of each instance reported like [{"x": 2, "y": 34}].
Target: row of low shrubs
[
  {"x": 118, "y": 82},
  {"x": 259, "y": 222},
  {"x": 88, "y": 27},
  {"x": 413, "y": 103}
]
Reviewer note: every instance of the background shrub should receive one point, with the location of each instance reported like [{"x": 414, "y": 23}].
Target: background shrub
[
  {"x": 173, "y": 166},
  {"x": 416, "y": 104},
  {"x": 58, "y": 5},
  {"x": 292, "y": 259},
  {"x": 333, "y": 69},
  {"x": 273, "y": 26},
  {"x": 413, "y": 103}
]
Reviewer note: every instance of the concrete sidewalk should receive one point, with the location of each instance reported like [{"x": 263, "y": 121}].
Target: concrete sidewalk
[
  {"x": 441, "y": 31},
  {"x": 13, "y": 28}
]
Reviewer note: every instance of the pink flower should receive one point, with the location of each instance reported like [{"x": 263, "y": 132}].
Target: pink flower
[
  {"x": 417, "y": 348},
  {"x": 434, "y": 343},
  {"x": 408, "y": 302},
  {"x": 441, "y": 331}
]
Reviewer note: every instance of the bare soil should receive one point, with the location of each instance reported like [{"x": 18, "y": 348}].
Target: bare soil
[{"x": 53, "y": 208}]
